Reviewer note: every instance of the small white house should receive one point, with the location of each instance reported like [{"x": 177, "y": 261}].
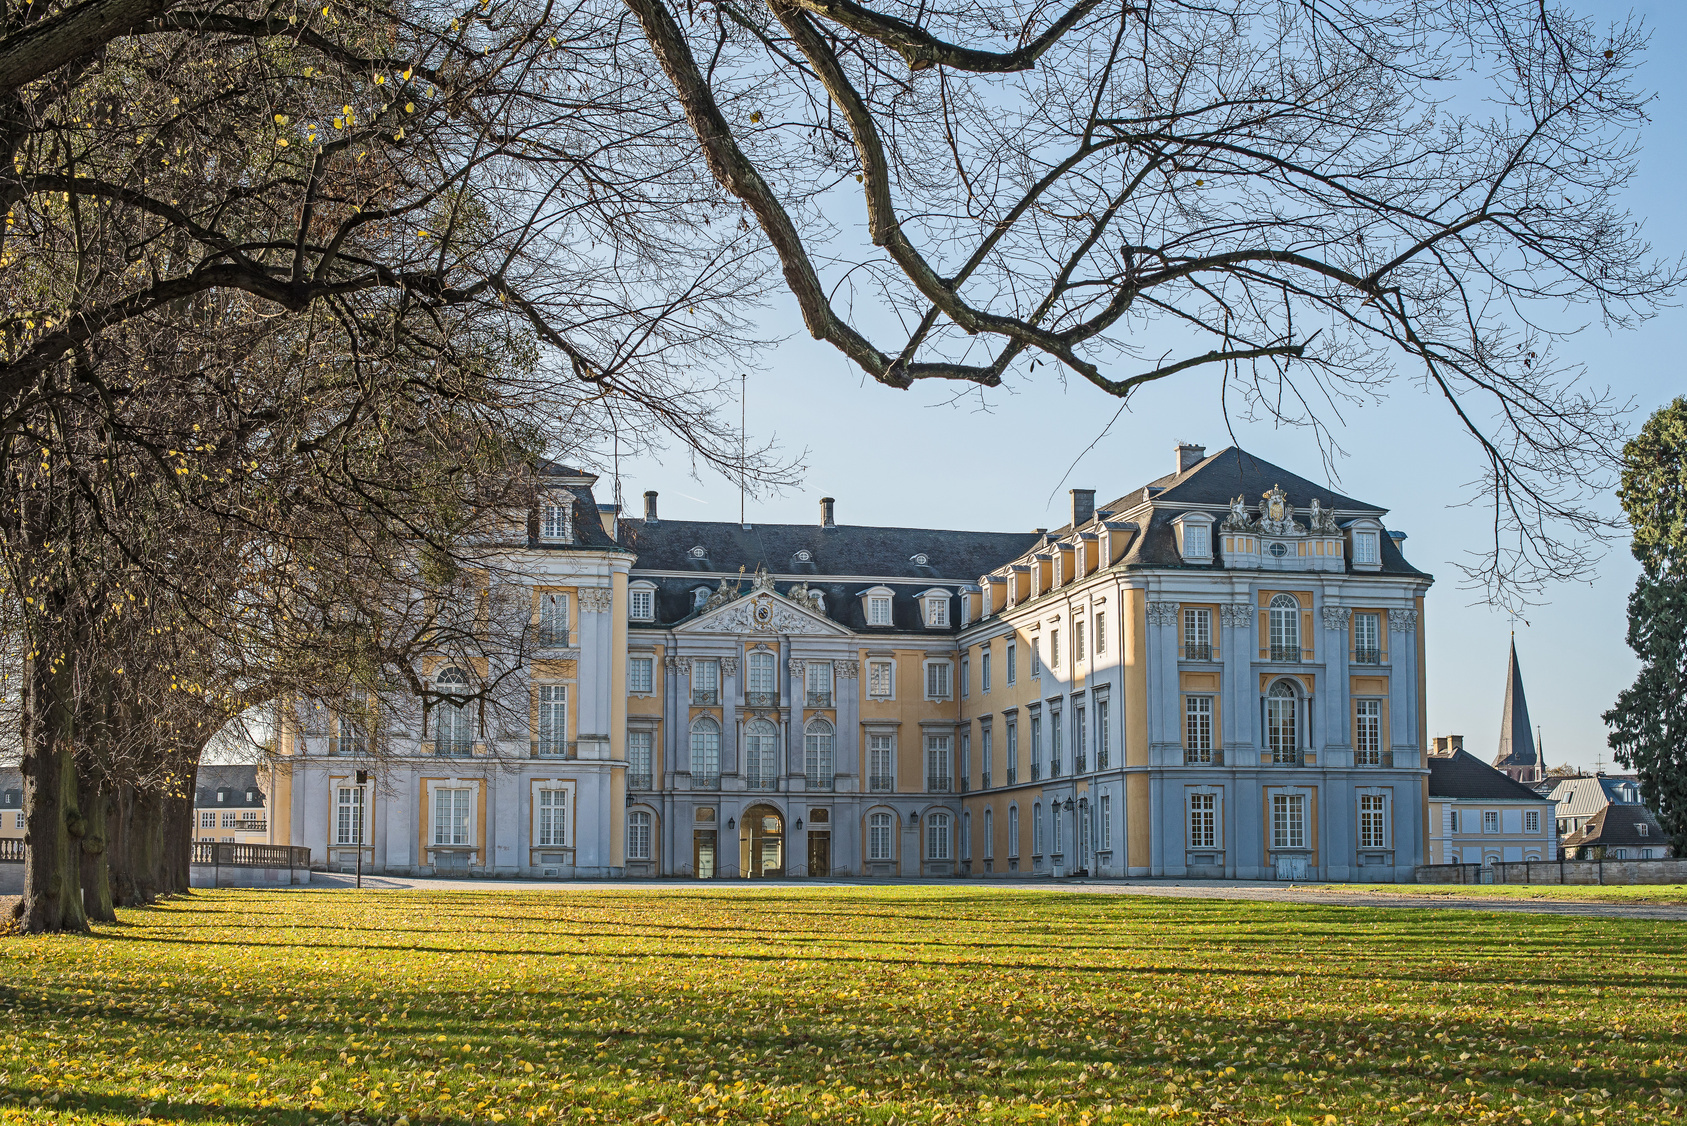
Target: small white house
[{"x": 1478, "y": 815}]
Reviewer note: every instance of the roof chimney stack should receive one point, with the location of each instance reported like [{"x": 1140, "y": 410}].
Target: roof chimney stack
[
  {"x": 828, "y": 517},
  {"x": 1188, "y": 457},
  {"x": 650, "y": 506},
  {"x": 1083, "y": 507}
]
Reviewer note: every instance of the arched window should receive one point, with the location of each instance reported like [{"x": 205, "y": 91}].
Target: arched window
[
  {"x": 638, "y": 835},
  {"x": 1282, "y": 727},
  {"x": 705, "y": 753},
  {"x": 989, "y": 832},
  {"x": 880, "y": 837},
  {"x": 454, "y": 726},
  {"x": 1037, "y": 829},
  {"x": 761, "y": 754},
  {"x": 1013, "y": 832},
  {"x": 817, "y": 754},
  {"x": 937, "y": 836},
  {"x": 1285, "y": 628},
  {"x": 762, "y": 682}
]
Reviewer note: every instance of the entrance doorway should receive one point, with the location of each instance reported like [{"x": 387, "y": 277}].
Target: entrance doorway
[
  {"x": 820, "y": 853},
  {"x": 761, "y": 842},
  {"x": 703, "y": 853}
]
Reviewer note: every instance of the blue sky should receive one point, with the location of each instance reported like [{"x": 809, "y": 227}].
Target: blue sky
[{"x": 922, "y": 458}]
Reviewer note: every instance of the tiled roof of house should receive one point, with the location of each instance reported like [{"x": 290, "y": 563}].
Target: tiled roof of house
[
  {"x": 11, "y": 787},
  {"x": 1462, "y": 776},
  {"x": 234, "y": 781},
  {"x": 1620, "y": 826}
]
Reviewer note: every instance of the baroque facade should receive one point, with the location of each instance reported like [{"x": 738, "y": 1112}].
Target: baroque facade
[{"x": 1218, "y": 674}]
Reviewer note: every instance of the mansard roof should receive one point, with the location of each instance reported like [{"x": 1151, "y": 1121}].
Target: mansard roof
[
  {"x": 1619, "y": 825},
  {"x": 236, "y": 779},
  {"x": 1517, "y": 739},
  {"x": 1464, "y": 777}
]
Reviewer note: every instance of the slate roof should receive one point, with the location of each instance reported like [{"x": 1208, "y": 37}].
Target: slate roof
[
  {"x": 1618, "y": 826},
  {"x": 589, "y": 532},
  {"x": 1461, "y": 776},
  {"x": 11, "y": 787},
  {"x": 1517, "y": 739},
  {"x": 235, "y": 780},
  {"x": 1585, "y": 795}
]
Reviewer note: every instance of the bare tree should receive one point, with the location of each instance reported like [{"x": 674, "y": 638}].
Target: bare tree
[{"x": 1305, "y": 204}]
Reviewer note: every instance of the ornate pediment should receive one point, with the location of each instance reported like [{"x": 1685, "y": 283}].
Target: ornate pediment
[{"x": 762, "y": 611}]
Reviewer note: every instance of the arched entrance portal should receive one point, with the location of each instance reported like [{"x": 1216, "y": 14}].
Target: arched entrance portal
[{"x": 761, "y": 842}]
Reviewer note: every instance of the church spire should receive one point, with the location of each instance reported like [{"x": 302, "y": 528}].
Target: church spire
[{"x": 1518, "y": 756}]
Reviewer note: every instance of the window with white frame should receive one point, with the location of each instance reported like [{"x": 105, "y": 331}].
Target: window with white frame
[
  {"x": 984, "y": 669},
  {"x": 1103, "y": 733},
  {"x": 881, "y": 679},
  {"x": 1288, "y": 821},
  {"x": 1056, "y": 749},
  {"x": 553, "y": 621},
  {"x": 1106, "y": 823},
  {"x": 1080, "y": 739},
  {"x": 966, "y": 834},
  {"x": 454, "y": 724},
  {"x": 1367, "y": 732},
  {"x": 705, "y": 682},
  {"x": 989, "y": 833},
  {"x": 878, "y": 609},
  {"x": 763, "y": 673},
  {"x": 1036, "y": 645},
  {"x": 1100, "y": 632},
  {"x": 641, "y": 675},
  {"x": 940, "y": 777},
  {"x": 1203, "y": 821},
  {"x": 638, "y": 835},
  {"x": 705, "y": 752},
  {"x": 556, "y": 520},
  {"x": 1012, "y": 752},
  {"x": 1196, "y": 542},
  {"x": 348, "y": 816},
  {"x": 1198, "y": 728},
  {"x": 938, "y": 835},
  {"x": 1373, "y": 828},
  {"x": 881, "y": 836},
  {"x": 1367, "y": 639},
  {"x": 1059, "y": 828},
  {"x": 553, "y": 817},
  {"x": 641, "y": 604},
  {"x": 639, "y": 760},
  {"x": 1531, "y": 821},
  {"x": 354, "y": 721},
  {"x": 966, "y": 677},
  {"x": 552, "y": 705},
  {"x": 761, "y": 755},
  {"x": 817, "y": 684},
  {"x": 881, "y": 764},
  {"x": 451, "y": 815},
  {"x": 965, "y": 771},
  {"x": 1282, "y": 723},
  {"x": 1197, "y": 634},
  {"x": 986, "y": 753},
  {"x": 938, "y": 677},
  {"x": 1490, "y": 821},
  {"x": 1078, "y": 638},
  {"x": 1054, "y": 648},
  {"x": 1037, "y": 829},
  {"x": 207, "y": 820},
  {"x": 1013, "y": 662},
  {"x": 1364, "y": 547},
  {"x": 230, "y": 820},
  {"x": 1641, "y": 829},
  {"x": 1036, "y": 746},
  {"x": 818, "y": 741},
  {"x": 1285, "y": 628},
  {"x": 937, "y": 611},
  {"x": 1013, "y": 832},
  {"x": 1452, "y": 821}
]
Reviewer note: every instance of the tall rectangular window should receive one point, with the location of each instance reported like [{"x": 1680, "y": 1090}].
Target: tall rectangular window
[
  {"x": 881, "y": 764},
  {"x": 705, "y": 682},
  {"x": 1013, "y": 752},
  {"x": 966, "y": 758},
  {"x": 1054, "y": 648},
  {"x": 985, "y": 754},
  {"x": 1203, "y": 824},
  {"x": 878, "y": 610},
  {"x": 1103, "y": 734},
  {"x": 639, "y": 760},
  {"x": 553, "y": 818},
  {"x": 880, "y": 676},
  {"x": 1080, "y": 740},
  {"x": 984, "y": 670},
  {"x": 1373, "y": 833},
  {"x": 1288, "y": 821},
  {"x": 1013, "y": 832},
  {"x": 989, "y": 833},
  {"x": 1197, "y": 634},
  {"x": 937, "y": 612},
  {"x": 1367, "y": 732},
  {"x": 880, "y": 842},
  {"x": 817, "y": 684},
  {"x": 1036, "y": 747},
  {"x": 641, "y": 604},
  {"x": 763, "y": 679},
  {"x": 355, "y": 721},
  {"x": 1106, "y": 823},
  {"x": 1036, "y": 656},
  {"x": 937, "y": 836},
  {"x": 1198, "y": 728},
  {"x": 1100, "y": 632},
  {"x": 451, "y": 817},
  {"x": 348, "y": 816},
  {"x": 966, "y": 677},
  {"x": 1490, "y": 821},
  {"x": 1037, "y": 829},
  {"x": 553, "y": 719},
  {"x": 1531, "y": 821},
  {"x": 638, "y": 835},
  {"x": 1364, "y": 547},
  {"x": 1367, "y": 639},
  {"x": 1013, "y": 662},
  {"x": 940, "y": 777},
  {"x": 1078, "y": 639},
  {"x": 641, "y": 675},
  {"x": 1055, "y": 747},
  {"x": 937, "y": 680},
  {"x": 1195, "y": 541},
  {"x": 553, "y": 621},
  {"x": 554, "y": 521}
]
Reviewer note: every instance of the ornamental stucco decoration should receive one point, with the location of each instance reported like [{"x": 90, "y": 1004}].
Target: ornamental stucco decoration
[
  {"x": 1236, "y": 615},
  {"x": 849, "y": 670},
  {"x": 1402, "y": 621},
  {"x": 723, "y": 594},
  {"x": 596, "y": 599},
  {"x": 798, "y": 666},
  {"x": 729, "y": 666},
  {"x": 1163, "y": 613},
  {"x": 763, "y": 614},
  {"x": 1238, "y": 520},
  {"x": 1334, "y": 617},
  {"x": 1323, "y": 520},
  {"x": 802, "y": 596},
  {"x": 1276, "y": 516}
]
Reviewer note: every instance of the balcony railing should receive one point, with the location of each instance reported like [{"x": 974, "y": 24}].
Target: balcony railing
[
  {"x": 1367, "y": 656},
  {"x": 1373, "y": 758},
  {"x": 11, "y": 850},
  {"x": 761, "y": 699},
  {"x": 639, "y": 782},
  {"x": 1211, "y": 756},
  {"x": 1079, "y": 764},
  {"x": 1282, "y": 757},
  {"x": 1054, "y": 768},
  {"x": 965, "y": 784},
  {"x": 1285, "y": 653},
  {"x": 553, "y": 637},
  {"x": 453, "y": 748},
  {"x": 819, "y": 699},
  {"x": 881, "y": 784},
  {"x": 984, "y": 780},
  {"x": 704, "y": 696},
  {"x": 1036, "y": 771},
  {"x": 1197, "y": 651},
  {"x": 757, "y": 782},
  {"x": 1101, "y": 760},
  {"x": 249, "y": 855},
  {"x": 1013, "y": 775},
  {"x": 821, "y": 782},
  {"x": 938, "y": 784},
  {"x": 552, "y": 748},
  {"x": 705, "y": 781}
]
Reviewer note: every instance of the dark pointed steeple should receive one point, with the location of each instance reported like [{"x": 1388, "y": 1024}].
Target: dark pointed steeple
[{"x": 1518, "y": 756}]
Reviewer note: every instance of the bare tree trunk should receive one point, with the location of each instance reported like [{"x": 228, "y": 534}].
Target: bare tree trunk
[
  {"x": 55, "y": 826},
  {"x": 120, "y": 848},
  {"x": 177, "y": 829},
  {"x": 96, "y": 886}
]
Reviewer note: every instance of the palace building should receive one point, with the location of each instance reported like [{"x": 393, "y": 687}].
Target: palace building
[{"x": 1218, "y": 674}]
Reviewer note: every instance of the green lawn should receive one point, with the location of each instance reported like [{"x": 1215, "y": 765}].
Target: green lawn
[
  {"x": 911, "y": 1005},
  {"x": 1612, "y": 893}
]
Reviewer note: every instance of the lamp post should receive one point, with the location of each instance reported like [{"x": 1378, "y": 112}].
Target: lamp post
[{"x": 362, "y": 822}]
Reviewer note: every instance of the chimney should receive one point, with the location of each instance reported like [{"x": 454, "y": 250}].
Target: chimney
[
  {"x": 650, "y": 506},
  {"x": 828, "y": 516},
  {"x": 1083, "y": 507},
  {"x": 1189, "y": 456}
]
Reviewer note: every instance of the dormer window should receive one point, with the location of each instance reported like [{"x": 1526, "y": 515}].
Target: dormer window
[
  {"x": 556, "y": 520},
  {"x": 937, "y": 611},
  {"x": 920, "y": 560},
  {"x": 878, "y": 606},
  {"x": 699, "y": 552},
  {"x": 641, "y": 603},
  {"x": 1364, "y": 544},
  {"x": 699, "y": 597},
  {"x": 804, "y": 556},
  {"x": 1194, "y": 537},
  {"x": 1365, "y": 547}
]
